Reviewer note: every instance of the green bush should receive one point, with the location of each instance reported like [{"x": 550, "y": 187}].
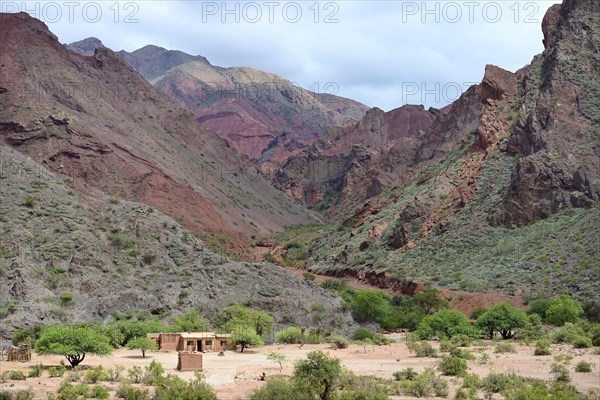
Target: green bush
[
  {"x": 477, "y": 312},
  {"x": 472, "y": 381},
  {"x": 135, "y": 374},
  {"x": 153, "y": 372},
  {"x": 572, "y": 334},
  {"x": 504, "y": 348},
  {"x": 561, "y": 373},
  {"x": 362, "y": 333},
  {"x": 583, "y": 366},
  {"x": 407, "y": 374},
  {"x": 503, "y": 318},
  {"x": 56, "y": 372},
  {"x": 99, "y": 392},
  {"x": 539, "y": 306},
  {"x": 462, "y": 353},
  {"x": 14, "y": 376},
  {"x": 289, "y": 335},
  {"x": 36, "y": 371},
  {"x": 174, "y": 388},
  {"x": 426, "y": 384},
  {"x": 453, "y": 366},
  {"x": 582, "y": 342},
  {"x": 24, "y": 394},
  {"x": 337, "y": 341},
  {"x": 542, "y": 348},
  {"x": 95, "y": 375},
  {"x": 421, "y": 348},
  {"x": 497, "y": 382},
  {"x": 128, "y": 392},
  {"x": 461, "y": 340}
]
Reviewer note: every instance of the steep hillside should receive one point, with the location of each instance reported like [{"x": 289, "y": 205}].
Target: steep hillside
[
  {"x": 263, "y": 115},
  {"x": 508, "y": 198},
  {"x": 68, "y": 256},
  {"x": 96, "y": 120}
]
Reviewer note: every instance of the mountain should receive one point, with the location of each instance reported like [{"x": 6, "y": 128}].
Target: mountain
[
  {"x": 500, "y": 193},
  {"x": 69, "y": 256},
  {"x": 97, "y": 121},
  {"x": 263, "y": 115}
]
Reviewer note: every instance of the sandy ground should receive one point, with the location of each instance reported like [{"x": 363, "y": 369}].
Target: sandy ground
[{"x": 235, "y": 375}]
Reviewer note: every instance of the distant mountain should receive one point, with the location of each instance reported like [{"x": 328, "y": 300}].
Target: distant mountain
[
  {"x": 99, "y": 122},
  {"x": 263, "y": 115}
]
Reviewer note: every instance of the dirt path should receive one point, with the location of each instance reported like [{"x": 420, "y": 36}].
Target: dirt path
[{"x": 235, "y": 375}]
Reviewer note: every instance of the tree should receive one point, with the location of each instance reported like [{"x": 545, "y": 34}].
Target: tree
[
  {"x": 236, "y": 315},
  {"x": 430, "y": 300},
  {"x": 190, "y": 321},
  {"x": 278, "y": 358},
  {"x": 503, "y": 318},
  {"x": 73, "y": 342},
  {"x": 539, "y": 306},
  {"x": 563, "y": 309},
  {"x": 445, "y": 324},
  {"x": 141, "y": 343},
  {"x": 172, "y": 387},
  {"x": 369, "y": 305},
  {"x": 246, "y": 336},
  {"x": 318, "y": 372}
]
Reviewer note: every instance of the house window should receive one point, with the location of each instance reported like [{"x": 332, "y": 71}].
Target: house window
[
  {"x": 190, "y": 342},
  {"x": 224, "y": 343},
  {"x": 209, "y": 342}
]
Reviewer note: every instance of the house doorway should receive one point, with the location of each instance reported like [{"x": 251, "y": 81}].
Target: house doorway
[{"x": 199, "y": 346}]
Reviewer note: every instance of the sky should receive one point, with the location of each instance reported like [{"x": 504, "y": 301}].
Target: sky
[{"x": 381, "y": 53}]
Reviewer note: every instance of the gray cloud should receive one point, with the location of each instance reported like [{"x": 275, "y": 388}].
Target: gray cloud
[{"x": 373, "y": 50}]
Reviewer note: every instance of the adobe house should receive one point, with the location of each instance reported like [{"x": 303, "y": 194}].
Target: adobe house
[
  {"x": 195, "y": 341},
  {"x": 187, "y": 361}
]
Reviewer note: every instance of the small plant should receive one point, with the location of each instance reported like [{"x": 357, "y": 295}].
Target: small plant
[
  {"x": 14, "y": 376},
  {"x": 561, "y": 373},
  {"x": 309, "y": 276},
  {"x": 99, "y": 392},
  {"x": 461, "y": 340},
  {"x": 278, "y": 358},
  {"x": 129, "y": 392},
  {"x": 542, "y": 348},
  {"x": 95, "y": 375},
  {"x": 36, "y": 371},
  {"x": 56, "y": 372},
  {"x": 505, "y": 348},
  {"x": 453, "y": 366},
  {"x": 29, "y": 201},
  {"x": 583, "y": 366},
  {"x": 66, "y": 298},
  {"x": 407, "y": 374},
  {"x": 135, "y": 374},
  {"x": 421, "y": 348},
  {"x": 484, "y": 358},
  {"x": 338, "y": 342},
  {"x": 114, "y": 375}
]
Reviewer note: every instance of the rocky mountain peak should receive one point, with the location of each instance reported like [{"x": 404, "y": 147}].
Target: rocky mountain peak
[{"x": 86, "y": 47}]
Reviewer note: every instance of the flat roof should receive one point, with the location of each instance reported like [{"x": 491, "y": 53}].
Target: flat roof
[{"x": 202, "y": 335}]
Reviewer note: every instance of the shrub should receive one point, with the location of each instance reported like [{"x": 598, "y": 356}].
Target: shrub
[
  {"x": 338, "y": 342},
  {"x": 426, "y": 383},
  {"x": 583, "y": 366},
  {"x": 505, "y": 348},
  {"x": 362, "y": 333},
  {"x": 453, "y": 366},
  {"x": 542, "y": 348},
  {"x": 95, "y": 375},
  {"x": 561, "y": 373},
  {"x": 289, "y": 335},
  {"x": 461, "y": 340},
  {"x": 56, "y": 372},
  {"x": 421, "y": 348},
  {"x": 114, "y": 375},
  {"x": 446, "y": 346},
  {"x": 472, "y": 381},
  {"x": 539, "y": 306},
  {"x": 503, "y": 318},
  {"x": 66, "y": 298},
  {"x": 153, "y": 372},
  {"x": 276, "y": 389},
  {"x": 128, "y": 392},
  {"x": 14, "y": 376},
  {"x": 36, "y": 371},
  {"x": 135, "y": 374},
  {"x": 172, "y": 387},
  {"x": 573, "y": 334},
  {"x": 29, "y": 201},
  {"x": 379, "y": 339},
  {"x": 99, "y": 392},
  {"x": 407, "y": 374},
  {"x": 497, "y": 382},
  {"x": 462, "y": 353}
]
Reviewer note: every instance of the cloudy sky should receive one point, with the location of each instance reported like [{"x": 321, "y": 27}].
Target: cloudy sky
[{"x": 381, "y": 53}]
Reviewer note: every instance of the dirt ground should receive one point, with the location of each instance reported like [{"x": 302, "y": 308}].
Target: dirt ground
[{"x": 235, "y": 375}]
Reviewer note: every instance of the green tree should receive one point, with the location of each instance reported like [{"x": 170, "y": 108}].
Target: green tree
[
  {"x": 369, "y": 305},
  {"x": 191, "y": 321},
  {"x": 446, "y": 324},
  {"x": 563, "y": 309},
  {"x": 430, "y": 300},
  {"x": 142, "y": 343},
  {"x": 73, "y": 342},
  {"x": 503, "y": 318},
  {"x": 245, "y": 336},
  {"x": 318, "y": 372},
  {"x": 539, "y": 306},
  {"x": 235, "y": 315},
  {"x": 278, "y": 358}
]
